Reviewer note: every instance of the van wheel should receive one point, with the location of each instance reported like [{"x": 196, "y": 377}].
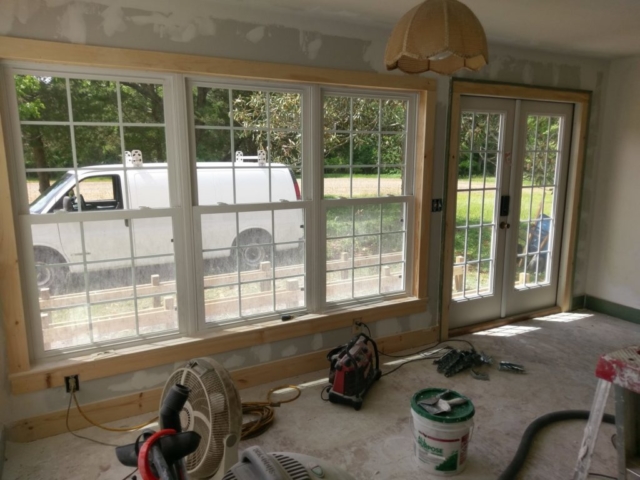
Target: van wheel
[
  {"x": 254, "y": 248},
  {"x": 53, "y": 278}
]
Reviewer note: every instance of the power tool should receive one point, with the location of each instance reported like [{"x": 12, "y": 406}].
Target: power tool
[{"x": 355, "y": 366}]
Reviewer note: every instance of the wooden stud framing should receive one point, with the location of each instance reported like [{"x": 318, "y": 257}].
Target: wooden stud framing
[
  {"x": 126, "y": 406},
  {"x": 10, "y": 287},
  {"x": 120, "y": 58},
  {"x": 522, "y": 92},
  {"x": 234, "y": 338},
  {"x": 581, "y": 100},
  {"x": 24, "y": 379},
  {"x": 424, "y": 152},
  {"x": 574, "y": 184}
]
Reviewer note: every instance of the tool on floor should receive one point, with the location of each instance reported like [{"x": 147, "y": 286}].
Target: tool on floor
[
  {"x": 354, "y": 368},
  {"x": 455, "y": 361},
  {"x": 441, "y": 437},
  {"x": 511, "y": 367}
]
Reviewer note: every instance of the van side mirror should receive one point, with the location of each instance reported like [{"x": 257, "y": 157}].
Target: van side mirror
[{"x": 67, "y": 203}]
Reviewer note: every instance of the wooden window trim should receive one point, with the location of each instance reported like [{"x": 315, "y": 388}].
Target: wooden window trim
[
  {"x": 25, "y": 377},
  {"x": 581, "y": 100}
]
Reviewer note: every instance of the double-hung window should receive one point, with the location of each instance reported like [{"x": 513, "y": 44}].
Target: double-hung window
[
  {"x": 158, "y": 205},
  {"x": 367, "y": 195},
  {"x": 95, "y": 169},
  {"x": 247, "y": 148}
]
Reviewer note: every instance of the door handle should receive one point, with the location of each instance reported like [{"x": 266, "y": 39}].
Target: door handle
[
  {"x": 505, "y": 225},
  {"x": 126, "y": 222}
]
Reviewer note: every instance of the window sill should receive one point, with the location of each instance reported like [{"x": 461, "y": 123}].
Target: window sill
[{"x": 91, "y": 367}]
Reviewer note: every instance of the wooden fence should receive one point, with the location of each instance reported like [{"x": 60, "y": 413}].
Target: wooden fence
[{"x": 162, "y": 315}]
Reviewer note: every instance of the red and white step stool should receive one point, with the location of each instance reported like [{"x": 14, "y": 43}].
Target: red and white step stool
[{"x": 622, "y": 369}]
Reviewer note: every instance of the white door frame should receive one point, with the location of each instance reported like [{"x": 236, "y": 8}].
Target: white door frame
[{"x": 581, "y": 101}]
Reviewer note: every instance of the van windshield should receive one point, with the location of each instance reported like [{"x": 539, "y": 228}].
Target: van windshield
[{"x": 40, "y": 203}]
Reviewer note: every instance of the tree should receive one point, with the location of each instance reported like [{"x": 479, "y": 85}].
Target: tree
[
  {"x": 43, "y": 99},
  {"x": 46, "y": 145}
]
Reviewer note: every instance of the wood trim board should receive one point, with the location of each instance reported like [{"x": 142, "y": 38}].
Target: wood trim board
[
  {"x": 423, "y": 172},
  {"x": 119, "y": 408},
  {"x": 572, "y": 209},
  {"x": 52, "y": 375},
  {"x": 20, "y": 49},
  {"x": 581, "y": 101},
  {"x": 522, "y": 92},
  {"x": 11, "y": 298}
]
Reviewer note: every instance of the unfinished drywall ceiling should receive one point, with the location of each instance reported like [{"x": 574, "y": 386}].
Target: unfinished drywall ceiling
[
  {"x": 602, "y": 28},
  {"x": 607, "y": 28}
]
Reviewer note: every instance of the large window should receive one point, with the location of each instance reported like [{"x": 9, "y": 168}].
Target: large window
[
  {"x": 241, "y": 202},
  {"x": 367, "y": 191},
  {"x": 247, "y": 148},
  {"x": 96, "y": 183}
]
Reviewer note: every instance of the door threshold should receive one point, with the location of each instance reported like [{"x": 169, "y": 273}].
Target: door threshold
[{"x": 479, "y": 327}]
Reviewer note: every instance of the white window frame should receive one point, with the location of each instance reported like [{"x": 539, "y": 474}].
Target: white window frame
[
  {"x": 25, "y": 220},
  {"x": 184, "y": 210},
  {"x": 408, "y": 196}
]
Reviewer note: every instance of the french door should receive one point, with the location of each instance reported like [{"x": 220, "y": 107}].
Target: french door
[{"x": 510, "y": 192}]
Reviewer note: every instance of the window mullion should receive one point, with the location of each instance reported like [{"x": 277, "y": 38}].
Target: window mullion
[
  {"x": 188, "y": 247},
  {"x": 315, "y": 226}
]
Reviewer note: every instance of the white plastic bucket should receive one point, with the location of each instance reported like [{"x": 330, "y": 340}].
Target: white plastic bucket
[{"x": 441, "y": 441}]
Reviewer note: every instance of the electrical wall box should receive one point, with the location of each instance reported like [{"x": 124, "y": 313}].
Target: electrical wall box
[{"x": 67, "y": 382}]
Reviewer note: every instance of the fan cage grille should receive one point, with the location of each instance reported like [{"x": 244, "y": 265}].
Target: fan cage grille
[{"x": 214, "y": 411}]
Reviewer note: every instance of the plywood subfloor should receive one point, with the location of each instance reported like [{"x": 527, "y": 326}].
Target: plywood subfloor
[{"x": 559, "y": 353}]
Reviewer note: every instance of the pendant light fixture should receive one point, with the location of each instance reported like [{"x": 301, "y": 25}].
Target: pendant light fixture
[{"x": 441, "y": 36}]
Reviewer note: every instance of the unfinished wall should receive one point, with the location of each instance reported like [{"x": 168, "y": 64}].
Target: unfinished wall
[
  {"x": 208, "y": 28},
  {"x": 614, "y": 255}
]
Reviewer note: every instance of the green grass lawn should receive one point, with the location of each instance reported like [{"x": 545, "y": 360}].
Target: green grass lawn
[{"x": 470, "y": 207}]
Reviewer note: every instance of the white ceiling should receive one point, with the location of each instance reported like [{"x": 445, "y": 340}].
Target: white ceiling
[{"x": 602, "y": 28}]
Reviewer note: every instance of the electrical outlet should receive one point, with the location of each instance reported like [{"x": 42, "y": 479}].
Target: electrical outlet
[
  {"x": 67, "y": 382},
  {"x": 355, "y": 328}
]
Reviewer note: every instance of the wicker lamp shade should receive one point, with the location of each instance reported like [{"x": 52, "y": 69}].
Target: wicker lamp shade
[{"x": 442, "y": 36}]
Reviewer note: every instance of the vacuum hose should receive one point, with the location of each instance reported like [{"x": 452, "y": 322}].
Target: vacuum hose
[
  {"x": 172, "y": 406},
  {"x": 534, "y": 427}
]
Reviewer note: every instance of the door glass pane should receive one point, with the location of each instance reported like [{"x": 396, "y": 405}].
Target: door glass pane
[
  {"x": 476, "y": 204},
  {"x": 537, "y": 210}
]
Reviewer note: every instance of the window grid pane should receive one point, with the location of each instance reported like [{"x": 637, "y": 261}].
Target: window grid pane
[
  {"x": 476, "y": 204},
  {"x": 364, "y": 147},
  {"x": 366, "y": 251},
  {"x": 98, "y": 282},
  {"x": 537, "y": 217},
  {"x": 256, "y": 273}
]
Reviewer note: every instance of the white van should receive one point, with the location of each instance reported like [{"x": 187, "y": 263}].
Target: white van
[{"x": 105, "y": 241}]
